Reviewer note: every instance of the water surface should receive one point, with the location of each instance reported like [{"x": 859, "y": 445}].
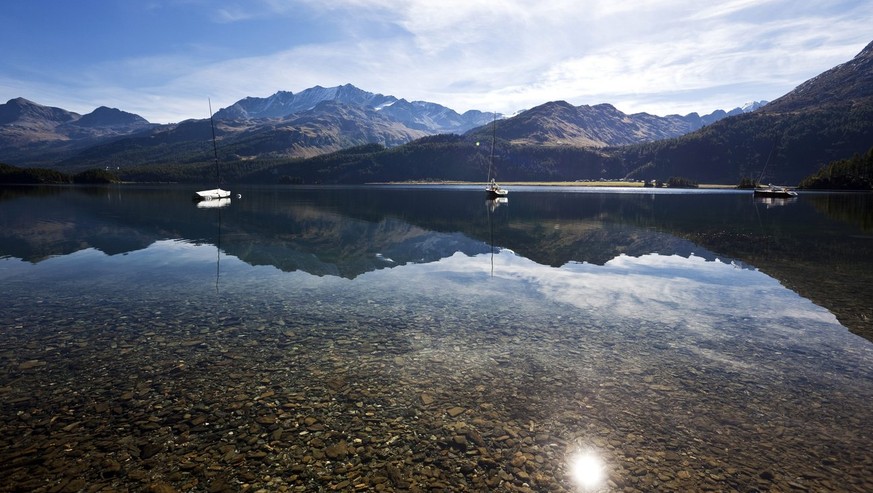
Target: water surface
[{"x": 385, "y": 338}]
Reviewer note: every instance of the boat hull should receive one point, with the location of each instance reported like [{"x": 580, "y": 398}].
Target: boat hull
[
  {"x": 493, "y": 190},
  {"x": 775, "y": 193},
  {"x": 213, "y": 194}
]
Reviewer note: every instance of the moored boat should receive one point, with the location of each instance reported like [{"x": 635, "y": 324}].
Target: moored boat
[
  {"x": 775, "y": 191},
  {"x": 492, "y": 189},
  {"x": 213, "y": 193}
]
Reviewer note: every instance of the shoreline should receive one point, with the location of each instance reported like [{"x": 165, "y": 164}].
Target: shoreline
[{"x": 609, "y": 184}]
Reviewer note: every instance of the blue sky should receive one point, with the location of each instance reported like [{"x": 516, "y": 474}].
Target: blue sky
[{"x": 162, "y": 59}]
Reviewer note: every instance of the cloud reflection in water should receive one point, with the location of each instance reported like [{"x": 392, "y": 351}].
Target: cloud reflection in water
[
  {"x": 735, "y": 317},
  {"x": 683, "y": 291},
  {"x": 670, "y": 288}
]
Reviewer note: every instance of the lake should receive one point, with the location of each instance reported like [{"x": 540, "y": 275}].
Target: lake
[{"x": 403, "y": 338}]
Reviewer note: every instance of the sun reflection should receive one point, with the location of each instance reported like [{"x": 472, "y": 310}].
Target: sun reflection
[{"x": 587, "y": 470}]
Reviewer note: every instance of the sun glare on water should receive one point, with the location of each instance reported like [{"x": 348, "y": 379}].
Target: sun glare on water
[{"x": 587, "y": 470}]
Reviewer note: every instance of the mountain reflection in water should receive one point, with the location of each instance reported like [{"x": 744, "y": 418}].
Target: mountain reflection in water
[
  {"x": 348, "y": 231},
  {"x": 398, "y": 338}
]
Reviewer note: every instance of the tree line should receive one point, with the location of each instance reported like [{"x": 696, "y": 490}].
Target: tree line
[
  {"x": 855, "y": 173},
  {"x": 43, "y": 176}
]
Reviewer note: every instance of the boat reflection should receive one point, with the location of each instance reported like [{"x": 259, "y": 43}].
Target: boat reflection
[
  {"x": 213, "y": 203},
  {"x": 774, "y": 201},
  {"x": 493, "y": 204}
]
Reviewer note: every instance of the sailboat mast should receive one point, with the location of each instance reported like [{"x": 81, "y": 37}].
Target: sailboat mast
[
  {"x": 214, "y": 146},
  {"x": 493, "y": 139},
  {"x": 217, "y": 194},
  {"x": 493, "y": 189},
  {"x": 775, "y": 144}
]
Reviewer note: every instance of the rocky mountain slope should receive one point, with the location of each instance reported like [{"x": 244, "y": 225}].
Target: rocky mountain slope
[
  {"x": 315, "y": 121},
  {"x": 35, "y": 134},
  {"x": 602, "y": 125},
  {"x": 431, "y": 118},
  {"x": 329, "y": 126},
  {"x": 285, "y": 103},
  {"x": 845, "y": 86},
  {"x": 827, "y": 118}
]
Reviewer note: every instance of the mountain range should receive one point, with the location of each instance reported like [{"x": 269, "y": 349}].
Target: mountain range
[
  {"x": 345, "y": 134},
  {"x": 30, "y": 132},
  {"x": 825, "y": 119},
  {"x": 312, "y": 122},
  {"x": 430, "y": 118},
  {"x": 560, "y": 123}
]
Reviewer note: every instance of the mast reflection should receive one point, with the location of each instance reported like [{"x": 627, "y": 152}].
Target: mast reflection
[
  {"x": 216, "y": 204},
  {"x": 492, "y": 205}
]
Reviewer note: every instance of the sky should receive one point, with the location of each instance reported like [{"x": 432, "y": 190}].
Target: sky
[{"x": 165, "y": 59}]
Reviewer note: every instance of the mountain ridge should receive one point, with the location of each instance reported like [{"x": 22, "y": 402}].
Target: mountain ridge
[
  {"x": 419, "y": 115},
  {"x": 21, "y": 111},
  {"x": 284, "y": 126},
  {"x": 599, "y": 125},
  {"x": 35, "y": 134},
  {"x": 827, "y": 118},
  {"x": 842, "y": 86},
  {"x": 109, "y": 117}
]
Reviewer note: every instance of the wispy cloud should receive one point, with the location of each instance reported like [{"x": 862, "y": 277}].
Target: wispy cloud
[
  {"x": 659, "y": 56},
  {"x": 241, "y": 11},
  {"x": 229, "y": 15}
]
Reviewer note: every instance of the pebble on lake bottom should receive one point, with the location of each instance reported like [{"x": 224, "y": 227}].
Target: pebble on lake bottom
[{"x": 382, "y": 399}]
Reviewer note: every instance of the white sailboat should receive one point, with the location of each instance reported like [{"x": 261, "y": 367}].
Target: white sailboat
[
  {"x": 774, "y": 191},
  {"x": 213, "y": 193},
  {"x": 492, "y": 189}
]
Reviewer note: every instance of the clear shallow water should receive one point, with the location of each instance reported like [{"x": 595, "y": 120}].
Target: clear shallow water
[{"x": 383, "y": 339}]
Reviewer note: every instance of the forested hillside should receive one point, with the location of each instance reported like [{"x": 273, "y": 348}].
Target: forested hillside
[{"x": 855, "y": 173}]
